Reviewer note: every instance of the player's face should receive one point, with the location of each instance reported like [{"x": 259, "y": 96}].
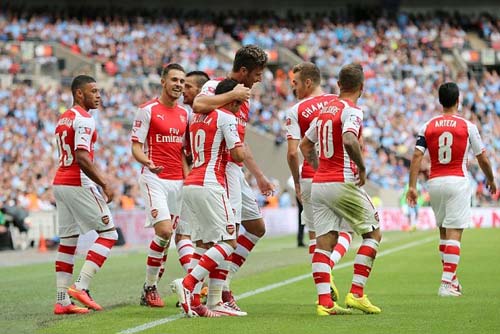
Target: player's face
[
  {"x": 91, "y": 95},
  {"x": 299, "y": 87},
  {"x": 252, "y": 77},
  {"x": 173, "y": 83},
  {"x": 191, "y": 89}
]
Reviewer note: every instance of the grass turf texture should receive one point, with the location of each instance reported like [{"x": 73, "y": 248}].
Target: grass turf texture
[{"x": 404, "y": 284}]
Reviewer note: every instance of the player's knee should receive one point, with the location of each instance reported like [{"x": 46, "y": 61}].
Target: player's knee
[
  {"x": 232, "y": 243},
  {"x": 256, "y": 227},
  {"x": 165, "y": 232},
  {"x": 112, "y": 235}
]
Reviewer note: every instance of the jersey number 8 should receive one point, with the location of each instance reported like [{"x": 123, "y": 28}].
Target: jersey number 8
[{"x": 444, "y": 153}]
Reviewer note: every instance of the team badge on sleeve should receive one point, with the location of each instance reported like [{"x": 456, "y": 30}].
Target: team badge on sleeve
[
  {"x": 356, "y": 120},
  {"x": 84, "y": 130},
  {"x": 137, "y": 124}
]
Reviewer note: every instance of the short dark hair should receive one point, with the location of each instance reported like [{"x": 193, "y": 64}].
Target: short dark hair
[
  {"x": 308, "y": 70},
  {"x": 169, "y": 67},
  {"x": 351, "y": 77},
  {"x": 225, "y": 86},
  {"x": 250, "y": 57},
  {"x": 448, "y": 94},
  {"x": 201, "y": 77},
  {"x": 80, "y": 81}
]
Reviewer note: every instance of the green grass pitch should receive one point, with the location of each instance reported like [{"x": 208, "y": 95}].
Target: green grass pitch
[{"x": 404, "y": 283}]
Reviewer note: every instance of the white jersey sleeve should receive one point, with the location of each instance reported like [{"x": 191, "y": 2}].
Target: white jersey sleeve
[
  {"x": 209, "y": 88},
  {"x": 312, "y": 132},
  {"x": 476, "y": 143},
  {"x": 421, "y": 144},
  {"x": 140, "y": 127},
  {"x": 352, "y": 119},
  {"x": 84, "y": 129},
  {"x": 229, "y": 127},
  {"x": 292, "y": 123}
]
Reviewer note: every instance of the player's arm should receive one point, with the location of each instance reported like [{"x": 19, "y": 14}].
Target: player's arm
[
  {"x": 238, "y": 153},
  {"x": 292, "y": 157},
  {"x": 205, "y": 103},
  {"x": 308, "y": 149},
  {"x": 186, "y": 166},
  {"x": 90, "y": 169},
  {"x": 140, "y": 157},
  {"x": 265, "y": 186},
  {"x": 483, "y": 161},
  {"x": 353, "y": 149},
  {"x": 416, "y": 161},
  {"x": 485, "y": 165}
]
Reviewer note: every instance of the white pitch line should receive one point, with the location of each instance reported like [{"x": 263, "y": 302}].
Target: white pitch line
[{"x": 274, "y": 286}]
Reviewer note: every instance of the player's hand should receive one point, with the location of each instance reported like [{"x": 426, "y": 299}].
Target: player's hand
[
  {"x": 266, "y": 187},
  {"x": 491, "y": 186},
  {"x": 411, "y": 196},
  {"x": 361, "y": 179},
  {"x": 298, "y": 192},
  {"x": 153, "y": 168},
  {"x": 108, "y": 193},
  {"x": 241, "y": 93}
]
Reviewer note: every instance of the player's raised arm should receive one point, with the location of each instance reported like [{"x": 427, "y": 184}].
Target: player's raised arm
[{"x": 205, "y": 103}]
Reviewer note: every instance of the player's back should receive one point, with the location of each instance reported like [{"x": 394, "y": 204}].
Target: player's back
[
  {"x": 209, "y": 147},
  {"x": 299, "y": 118},
  {"x": 336, "y": 118},
  {"x": 75, "y": 129},
  {"x": 447, "y": 138}
]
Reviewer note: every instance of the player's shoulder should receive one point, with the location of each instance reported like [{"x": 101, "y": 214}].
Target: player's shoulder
[
  {"x": 78, "y": 112},
  {"x": 149, "y": 104},
  {"x": 225, "y": 115},
  {"x": 348, "y": 105}
]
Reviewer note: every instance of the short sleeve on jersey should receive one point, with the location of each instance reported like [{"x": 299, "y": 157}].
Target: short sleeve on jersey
[
  {"x": 476, "y": 143},
  {"x": 208, "y": 88},
  {"x": 84, "y": 129},
  {"x": 421, "y": 144},
  {"x": 229, "y": 128},
  {"x": 292, "y": 124},
  {"x": 140, "y": 127},
  {"x": 312, "y": 133},
  {"x": 352, "y": 121}
]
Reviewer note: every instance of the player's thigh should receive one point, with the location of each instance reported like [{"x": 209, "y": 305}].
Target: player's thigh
[
  {"x": 216, "y": 220},
  {"x": 233, "y": 179},
  {"x": 155, "y": 199},
  {"x": 307, "y": 216},
  {"x": 67, "y": 225},
  {"x": 325, "y": 219},
  {"x": 457, "y": 203},
  {"x": 189, "y": 221},
  {"x": 249, "y": 207},
  {"x": 89, "y": 208},
  {"x": 355, "y": 207}
]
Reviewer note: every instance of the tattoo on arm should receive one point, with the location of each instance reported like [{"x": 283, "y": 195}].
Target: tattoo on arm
[{"x": 312, "y": 158}]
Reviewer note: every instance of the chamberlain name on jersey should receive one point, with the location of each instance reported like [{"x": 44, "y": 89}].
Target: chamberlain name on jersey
[
  {"x": 163, "y": 132},
  {"x": 448, "y": 138},
  {"x": 74, "y": 130},
  {"x": 299, "y": 118},
  {"x": 212, "y": 135},
  {"x": 336, "y": 118}
]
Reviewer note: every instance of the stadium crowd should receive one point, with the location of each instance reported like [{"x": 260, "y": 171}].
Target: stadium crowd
[{"x": 402, "y": 59}]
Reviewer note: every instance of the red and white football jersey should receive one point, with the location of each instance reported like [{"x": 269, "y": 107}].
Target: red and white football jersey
[
  {"x": 336, "y": 118},
  {"x": 448, "y": 137},
  {"x": 299, "y": 118},
  {"x": 242, "y": 115},
  {"x": 75, "y": 129},
  {"x": 163, "y": 132},
  {"x": 212, "y": 136}
]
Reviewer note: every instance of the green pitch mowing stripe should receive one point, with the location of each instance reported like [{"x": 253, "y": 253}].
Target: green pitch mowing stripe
[{"x": 270, "y": 287}]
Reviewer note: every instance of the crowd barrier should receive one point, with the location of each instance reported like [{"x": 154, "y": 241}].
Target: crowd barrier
[{"x": 279, "y": 221}]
